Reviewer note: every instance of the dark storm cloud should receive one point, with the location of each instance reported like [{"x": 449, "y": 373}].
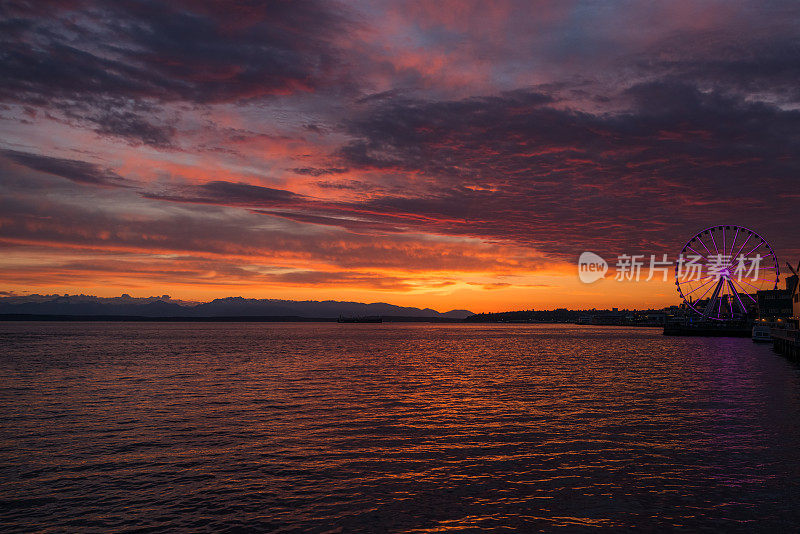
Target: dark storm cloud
[
  {"x": 182, "y": 50},
  {"x": 751, "y": 64},
  {"x": 77, "y": 171},
  {"x": 100, "y": 61},
  {"x": 518, "y": 167},
  {"x": 133, "y": 127}
]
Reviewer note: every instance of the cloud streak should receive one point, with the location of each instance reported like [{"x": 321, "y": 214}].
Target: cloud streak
[{"x": 81, "y": 172}]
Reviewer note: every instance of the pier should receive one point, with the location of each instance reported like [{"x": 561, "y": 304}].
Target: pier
[{"x": 786, "y": 342}]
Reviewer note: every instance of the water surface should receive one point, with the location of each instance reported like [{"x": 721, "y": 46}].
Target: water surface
[{"x": 387, "y": 427}]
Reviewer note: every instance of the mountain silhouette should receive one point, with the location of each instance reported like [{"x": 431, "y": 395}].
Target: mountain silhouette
[{"x": 224, "y": 307}]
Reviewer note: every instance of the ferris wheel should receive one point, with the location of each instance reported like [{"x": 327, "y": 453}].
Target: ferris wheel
[{"x": 721, "y": 268}]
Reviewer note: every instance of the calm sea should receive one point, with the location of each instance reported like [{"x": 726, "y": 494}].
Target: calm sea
[{"x": 392, "y": 428}]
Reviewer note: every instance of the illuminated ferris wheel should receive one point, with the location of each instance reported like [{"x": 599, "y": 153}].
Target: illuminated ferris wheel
[{"x": 721, "y": 268}]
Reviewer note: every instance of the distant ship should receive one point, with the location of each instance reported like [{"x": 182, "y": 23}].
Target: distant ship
[{"x": 371, "y": 319}]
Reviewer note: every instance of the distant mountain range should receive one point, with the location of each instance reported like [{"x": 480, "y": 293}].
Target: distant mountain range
[{"x": 164, "y": 306}]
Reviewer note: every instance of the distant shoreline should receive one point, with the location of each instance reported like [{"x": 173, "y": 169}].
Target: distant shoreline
[
  {"x": 12, "y": 317},
  {"x": 25, "y": 317}
]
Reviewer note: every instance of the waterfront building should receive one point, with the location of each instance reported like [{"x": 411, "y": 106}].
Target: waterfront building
[{"x": 774, "y": 303}]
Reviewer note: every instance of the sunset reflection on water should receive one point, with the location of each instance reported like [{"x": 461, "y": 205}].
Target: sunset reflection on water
[{"x": 392, "y": 427}]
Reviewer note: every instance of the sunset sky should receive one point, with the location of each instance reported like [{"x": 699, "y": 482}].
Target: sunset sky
[{"x": 432, "y": 154}]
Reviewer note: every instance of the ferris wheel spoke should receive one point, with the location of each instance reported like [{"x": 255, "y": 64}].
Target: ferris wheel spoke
[
  {"x": 749, "y": 284},
  {"x": 696, "y": 279},
  {"x": 706, "y": 293},
  {"x": 713, "y": 299},
  {"x": 704, "y": 246},
  {"x": 764, "y": 283},
  {"x": 740, "y": 249},
  {"x": 699, "y": 287},
  {"x": 733, "y": 245},
  {"x": 714, "y": 241},
  {"x": 723, "y": 240},
  {"x": 728, "y": 297},
  {"x": 755, "y": 247},
  {"x": 738, "y": 298},
  {"x": 774, "y": 267},
  {"x": 743, "y": 290},
  {"x": 693, "y": 250}
]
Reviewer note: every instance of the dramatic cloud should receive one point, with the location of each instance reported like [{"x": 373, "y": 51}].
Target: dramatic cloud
[
  {"x": 112, "y": 64},
  {"x": 231, "y": 194},
  {"x": 310, "y": 171},
  {"x": 80, "y": 172},
  {"x": 517, "y": 167},
  {"x": 465, "y": 148},
  {"x": 182, "y": 51}
]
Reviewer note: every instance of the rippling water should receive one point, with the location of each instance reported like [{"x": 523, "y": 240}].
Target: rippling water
[{"x": 400, "y": 428}]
